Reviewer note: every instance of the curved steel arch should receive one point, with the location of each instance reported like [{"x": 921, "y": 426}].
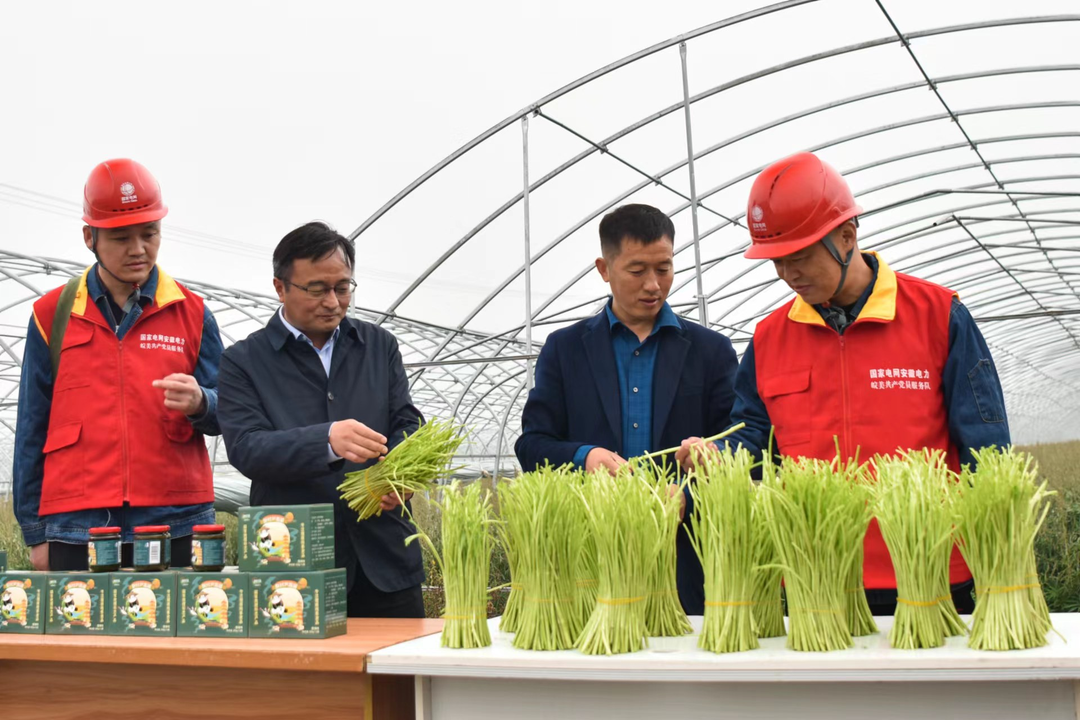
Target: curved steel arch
[
  {"x": 1021, "y": 282},
  {"x": 1019, "y": 272}
]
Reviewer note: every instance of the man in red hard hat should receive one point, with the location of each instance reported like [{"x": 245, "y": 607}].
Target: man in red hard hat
[
  {"x": 118, "y": 389},
  {"x": 865, "y": 356}
]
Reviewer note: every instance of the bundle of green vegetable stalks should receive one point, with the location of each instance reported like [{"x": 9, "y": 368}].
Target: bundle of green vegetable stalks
[
  {"x": 465, "y": 561},
  {"x": 723, "y": 538},
  {"x": 911, "y": 503},
  {"x": 806, "y": 507},
  {"x": 546, "y": 524},
  {"x": 664, "y": 615},
  {"x": 586, "y": 569},
  {"x": 767, "y": 596},
  {"x": 412, "y": 466},
  {"x": 508, "y": 497},
  {"x": 858, "y": 514},
  {"x": 999, "y": 509},
  {"x": 620, "y": 511}
]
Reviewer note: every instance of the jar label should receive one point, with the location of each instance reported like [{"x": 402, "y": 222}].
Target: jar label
[
  {"x": 151, "y": 552},
  {"x": 103, "y": 552},
  {"x": 208, "y": 553}
]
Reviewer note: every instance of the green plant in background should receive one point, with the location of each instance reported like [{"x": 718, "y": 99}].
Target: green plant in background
[
  {"x": 413, "y": 466},
  {"x": 664, "y": 615},
  {"x": 911, "y": 503},
  {"x": 723, "y": 538},
  {"x": 11, "y": 538},
  {"x": 620, "y": 511},
  {"x": 230, "y": 523},
  {"x": 998, "y": 511},
  {"x": 467, "y": 520},
  {"x": 806, "y": 507}
]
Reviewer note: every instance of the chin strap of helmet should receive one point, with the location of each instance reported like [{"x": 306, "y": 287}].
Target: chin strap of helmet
[
  {"x": 845, "y": 262},
  {"x": 136, "y": 292}
]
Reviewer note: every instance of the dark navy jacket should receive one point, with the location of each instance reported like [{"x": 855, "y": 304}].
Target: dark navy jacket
[
  {"x": 576, "y": 402},
  {"x": 275, "y": 408}
]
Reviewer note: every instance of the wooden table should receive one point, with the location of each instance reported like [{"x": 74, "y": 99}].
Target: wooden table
[
  {"x": 673, "y": 678},
  {"x": 61, "y": 676}
]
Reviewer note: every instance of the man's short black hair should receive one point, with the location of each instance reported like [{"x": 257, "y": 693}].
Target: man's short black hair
[
  {"x": 642, "y": 223},
  {"x": 313, "y": 241}
]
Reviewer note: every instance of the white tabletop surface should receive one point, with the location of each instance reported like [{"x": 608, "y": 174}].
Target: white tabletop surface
[{"x": 679, "y": 660}]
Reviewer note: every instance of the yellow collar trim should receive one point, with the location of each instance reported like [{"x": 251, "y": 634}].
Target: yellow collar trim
[
  {"x": 168, "y": 291},
  {"x": 881, "y": 305},
  {"x": 79, "y": 306}
]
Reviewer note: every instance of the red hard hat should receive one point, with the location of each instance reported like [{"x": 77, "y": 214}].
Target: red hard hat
[
  {"x": 794, "y": 203},
  {"x": 121, "y": 192}
]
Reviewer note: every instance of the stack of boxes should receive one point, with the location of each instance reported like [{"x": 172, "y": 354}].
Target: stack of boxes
[
  {"x": 289, "y": 553},
  {"x": 286, "y": 586}
]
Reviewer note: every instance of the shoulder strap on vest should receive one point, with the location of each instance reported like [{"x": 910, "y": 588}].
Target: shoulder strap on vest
[{"x": 60, "y": 322}]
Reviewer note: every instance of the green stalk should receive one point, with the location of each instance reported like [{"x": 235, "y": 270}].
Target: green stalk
[
  {"x": 511, "y": 616},
  {"x": 910, "y": 502},
  {"x": 548, "y": 535},
  {"x": 806, "y": 508},
  {"x": 664, "y": 614},
  {"x": 620, "y": 512},
  {"x": 858, "y": 515},
  {"x": 723, "y": 539},
  {"x": 768, "y": 587},
  {"x": 998, "y": 512},
  {"x": 586, "y": 569},
  {"x": 413, "y": 466},
  {"x": 467, "y": 541}
]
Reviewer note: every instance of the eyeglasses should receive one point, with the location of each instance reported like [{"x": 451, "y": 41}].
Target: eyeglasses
[{"x": 320, "y": 290}]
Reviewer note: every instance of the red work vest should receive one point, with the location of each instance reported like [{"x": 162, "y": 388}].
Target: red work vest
[
  {"x": 876, "y": 388},
  {"x": 111, "y": 440}
]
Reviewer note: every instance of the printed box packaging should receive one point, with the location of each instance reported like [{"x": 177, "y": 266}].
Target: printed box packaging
[
  {"x": 298, "y": 604},
  {"x": 281, "y": 538}
]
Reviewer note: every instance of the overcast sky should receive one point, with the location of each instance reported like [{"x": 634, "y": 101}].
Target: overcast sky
[{"x": 258, "y": 116}]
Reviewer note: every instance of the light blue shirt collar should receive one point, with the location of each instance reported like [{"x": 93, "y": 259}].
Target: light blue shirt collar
[{"x": 325, "y": 354}]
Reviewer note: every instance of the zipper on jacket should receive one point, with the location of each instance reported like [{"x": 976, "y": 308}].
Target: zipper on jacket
[
  {"x": 845, "y": 446},
  {"x": 123, "y": 418}
]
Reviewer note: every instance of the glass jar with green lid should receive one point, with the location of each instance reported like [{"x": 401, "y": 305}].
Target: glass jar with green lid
[
  {"x": 208, "y": 548},
  {"x": 153, "y": 546},
  {"x": 103, "y": 550}
]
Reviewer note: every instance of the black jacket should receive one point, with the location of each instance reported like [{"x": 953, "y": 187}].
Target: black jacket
[{"x": 275, "y": 408}]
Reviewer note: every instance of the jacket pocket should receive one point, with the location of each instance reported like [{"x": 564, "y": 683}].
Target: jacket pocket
[
  {"x": 787, "y": 400},
  {"x": 73, "y": 372},
  {"x": 985, "y": 388},
  {"x": 178, "y": 430},
  {"x": 188, "y": 467},
  {"x": 64, "y": 467}
]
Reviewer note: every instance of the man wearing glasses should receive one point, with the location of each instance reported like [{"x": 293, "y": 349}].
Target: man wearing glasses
[{"x": 315, "y": 395}]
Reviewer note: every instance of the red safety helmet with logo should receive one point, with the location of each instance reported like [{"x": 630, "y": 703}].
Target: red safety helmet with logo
[
  {"x": 121, "y": 192},
  {"x": 794, "y": 203}
]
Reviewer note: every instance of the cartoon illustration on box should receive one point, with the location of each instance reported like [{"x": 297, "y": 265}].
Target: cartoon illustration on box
[
  {"x": 141, "y": 604},
  {"x": 212, "y": 604},
  {"x": 76, "y": 605},
  {"x": 286, "y": 605},
  {"x": 14, "y": 602},
  {"x": 275, "y": 539}
]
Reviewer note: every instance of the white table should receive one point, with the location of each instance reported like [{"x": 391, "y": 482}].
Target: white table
[{"x": 674, "y": 679}]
